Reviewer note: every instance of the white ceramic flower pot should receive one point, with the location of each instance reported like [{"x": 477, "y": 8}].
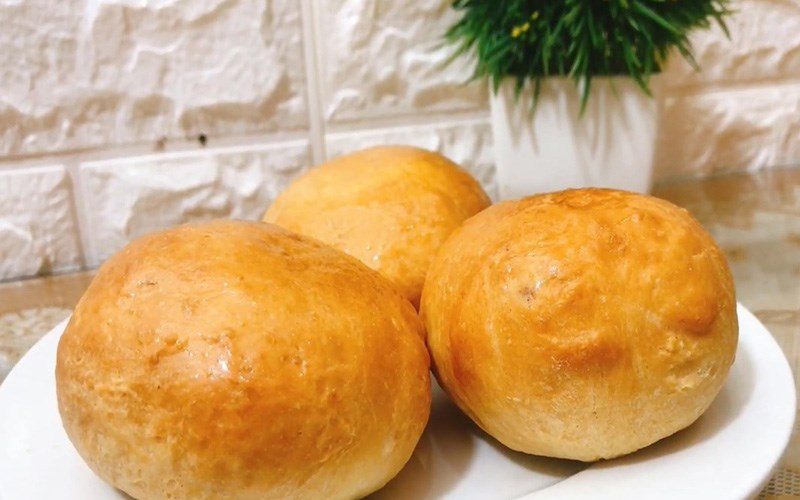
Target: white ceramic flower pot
[{"x": 611, "y": 145}]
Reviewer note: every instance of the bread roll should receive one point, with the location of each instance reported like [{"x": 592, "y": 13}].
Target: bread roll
[
  {"x": 238, "y": 360},
  {"x": 584, "y": 324},
  {"x": 390, "y": 207}
]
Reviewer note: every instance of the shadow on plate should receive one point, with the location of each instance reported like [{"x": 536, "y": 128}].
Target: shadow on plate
[
  {"x": 555, "y": 467},
  {"x": 446, "y": 451},
  {"x": 429, "y": 474},
  {"x": 123, "y": 495}
]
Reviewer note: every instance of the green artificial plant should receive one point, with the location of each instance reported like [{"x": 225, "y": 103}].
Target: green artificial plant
[{"x": 528, "y": 40}]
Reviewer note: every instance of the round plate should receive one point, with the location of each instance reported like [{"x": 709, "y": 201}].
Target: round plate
[{"x": 728, "y": 453}]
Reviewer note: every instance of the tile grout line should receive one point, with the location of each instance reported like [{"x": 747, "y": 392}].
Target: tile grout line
[
  {"x": 729, "y": 86},
  {"x": 72, "y": 162},
  {"x": 314, "y": 100},
  {"x": 115, "y": 152},
  {"x": 429, "y": 122},
  {"x": 426, "y": 119},
  {"x": 188, "y": 148},
  {"x": 82, "y": 220}
]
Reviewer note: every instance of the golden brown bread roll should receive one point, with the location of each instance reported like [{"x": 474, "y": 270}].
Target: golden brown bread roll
[
  {"x": 238, "y": 360},
  {"x": 390, "y": 207},
  {"x": 584, "y": 324}
]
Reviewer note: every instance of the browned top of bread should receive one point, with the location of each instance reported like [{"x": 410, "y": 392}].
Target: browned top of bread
[
  {"x": 236, "y": 359},
  {"x": 391, "y": 207},
  {"x": 581, "y": 324}
]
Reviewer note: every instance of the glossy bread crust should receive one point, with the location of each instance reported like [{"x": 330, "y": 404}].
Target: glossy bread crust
[
  {"x": 584, "y": 324},
  {"x": 239, "y": 360},
  {"x": 390, "y": 207}
]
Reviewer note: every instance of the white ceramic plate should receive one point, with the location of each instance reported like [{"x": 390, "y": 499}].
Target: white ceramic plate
[{"x": 728, "y": 453}]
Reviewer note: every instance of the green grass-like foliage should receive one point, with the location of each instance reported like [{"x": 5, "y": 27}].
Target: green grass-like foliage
[{"x": 528, "y": 40}]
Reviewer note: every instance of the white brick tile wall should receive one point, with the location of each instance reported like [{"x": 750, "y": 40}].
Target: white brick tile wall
[
  {"x": 38, "y": 232},
  {"x": 80, "y": 74},
  {"x": 764, "y": 46},
  {"x": 37, "y": 71},
  {"x": 742, "y": 128},
  {"x": 274, "y": 80},
  {"x": 742, "y": 110},
  {"x": 129, "y": 197},
  {"x": 384, "y": 58}
]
